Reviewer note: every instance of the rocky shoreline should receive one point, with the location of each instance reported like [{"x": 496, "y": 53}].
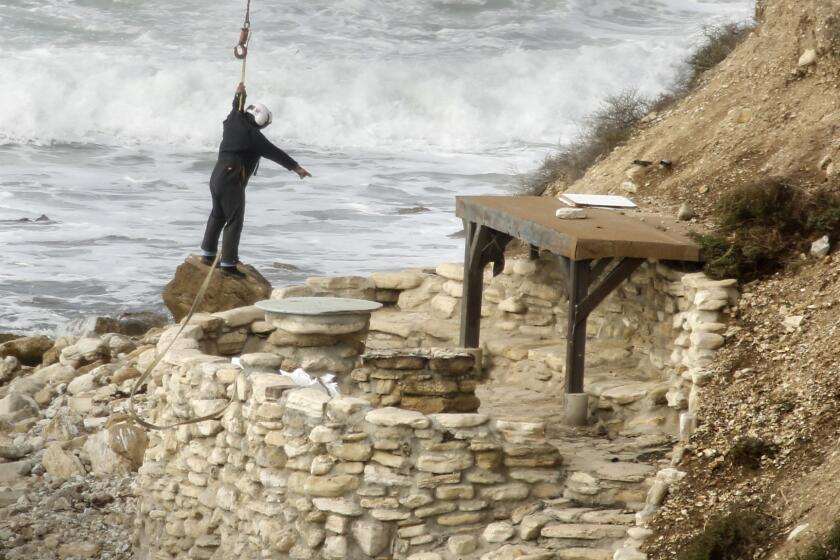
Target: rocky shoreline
[{"x": 70, "y": 454}]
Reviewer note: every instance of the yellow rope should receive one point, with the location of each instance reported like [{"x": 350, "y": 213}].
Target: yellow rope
[
  {"x": 199, "y": 297},
  {"x": 213, "y": 416}
]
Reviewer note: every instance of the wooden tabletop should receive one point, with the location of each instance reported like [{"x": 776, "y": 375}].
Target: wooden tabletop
[{"x": 604, "y": 233}]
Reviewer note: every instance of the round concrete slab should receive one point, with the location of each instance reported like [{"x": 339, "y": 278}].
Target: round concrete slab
[{"x": 317, "y": 306}]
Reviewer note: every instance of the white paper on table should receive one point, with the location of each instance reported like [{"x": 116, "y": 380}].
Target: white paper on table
[{"x": 598, "y": 200}]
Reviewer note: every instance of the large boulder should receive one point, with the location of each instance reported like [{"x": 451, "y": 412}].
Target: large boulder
[
  {"x": 84, "y": 352},
  {"x": 117, "y": 449},
  {"x": 129, "y": 324},
  {"x": 61, "y": 464},
  {"x": 28, "y": 349},
  {"x": 224, "y": 292}
]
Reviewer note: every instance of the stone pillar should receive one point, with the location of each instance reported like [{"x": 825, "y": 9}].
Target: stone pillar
[
  {"x": 319, "y": 334},
  {"x": 428, "y": 380}
]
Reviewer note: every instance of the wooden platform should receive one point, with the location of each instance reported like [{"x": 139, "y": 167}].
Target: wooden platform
[
  {"x": 598, "y": 253},
  {"x": 605, "y": 233}
]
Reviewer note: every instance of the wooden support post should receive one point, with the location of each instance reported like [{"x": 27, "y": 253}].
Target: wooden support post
[
  {"x": 578, "y": 288},
  {"x": 476, "y": 239},
  {"x": 481, "y": 246},
  {"x": 533, "y": 253},
  {"x": 582, "y": 302}
]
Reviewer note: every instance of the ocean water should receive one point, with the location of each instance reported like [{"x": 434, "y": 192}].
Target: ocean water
[{"x": 111, "y": 110}]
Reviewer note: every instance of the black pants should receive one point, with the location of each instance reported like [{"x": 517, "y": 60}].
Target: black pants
[{"x": 227, "y": 189}]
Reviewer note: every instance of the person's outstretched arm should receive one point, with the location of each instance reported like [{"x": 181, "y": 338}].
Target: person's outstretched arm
[{"x": 269, "y": 151}]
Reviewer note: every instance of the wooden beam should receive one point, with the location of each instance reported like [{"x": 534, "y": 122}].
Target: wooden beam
[
  {"x": 599, "y": 267},
  {"x": 613, "y": 279}
]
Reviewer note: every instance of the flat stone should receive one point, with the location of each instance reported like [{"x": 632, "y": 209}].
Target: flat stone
[
  {"x": 622, "y": 471},
  {"x": 626, "y": 394},
  {"x": 335, "y": 547},
  {"x": 531, "y": 525},
  {"x": 330, "y": 486},
  {"x": 444, "y": 463},
  {"x": 583, "y": 531},
  {"x": 85, "y": 351},
  {"x": 808, "y": 58},
  {"x": 342, "y": 409},
  {"x": 241, "y": 316},
  {"x": 460, "y": 545},
  {"x": 359, "y": 451},
  {"x": 10, "y": 473},
  {"x": 375, "y": 474},
  {"x": 261, "y": 360},
  {"x": 500, "y": 531},
  {"x": 341, "y": 507},
  {"x": 336, "y": 283},
  {"x": 445, "y": 305},
  {"x": 372, "y": 536},
  {"x": 451, "y": 271},
  {"x": 391, "y": 417},
  {"x": 510, "y": 491},
  {"x": 61, "y": 464},
  {"x": 520, "y": 552},
  {"x": 570, "y": 214},
  {"x": 396, "y": 359},
  {"x": 15, "y": 402},
  {"x": 521, "y": 432},
  {"x": 455, "y": 492},
  {"x": 580, "y": 553},
  {"x": 706, "y": 340},
  {"x": 333, "y": 325},
  {"x": 821, "y": 247},
  {"x": 317, "y": 306},
  {"x": 513, "y": 305},
  {"x": 425, "y": 556},
  {"x": 455, "y": 421},
  {"x": 310, "y": 402},
  {"x": 460, "y": 518},
  {"x": 78, "y": 550},
  {"x": 405, "y": 280}
]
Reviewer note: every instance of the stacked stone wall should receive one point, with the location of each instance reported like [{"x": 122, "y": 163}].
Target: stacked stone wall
[
  {"x": 425, "y": 380},
  {"x": 289, "y": 472},
  {"x": 660, "y": 329}
]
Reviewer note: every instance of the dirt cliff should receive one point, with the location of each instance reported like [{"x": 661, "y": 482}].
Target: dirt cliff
[{"x": 770, "y": 110}]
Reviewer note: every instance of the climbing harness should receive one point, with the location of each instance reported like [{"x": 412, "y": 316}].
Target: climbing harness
[{"x": 240, "y": 52}]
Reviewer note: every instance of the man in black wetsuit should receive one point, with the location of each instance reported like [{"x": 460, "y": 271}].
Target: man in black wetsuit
[{"x": 243, "y": 144}]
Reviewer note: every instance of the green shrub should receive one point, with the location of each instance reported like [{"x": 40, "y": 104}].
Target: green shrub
[
  {"x": 761, "y": 224},
  {"x": 719, "y": 42},
  {"x": 730, "y": 536},
  {"x": 827, "y": 549}
]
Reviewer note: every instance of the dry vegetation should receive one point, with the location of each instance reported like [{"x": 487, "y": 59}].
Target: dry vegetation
[
  {"x": 619, "y": 114},
  {"x": 760, "y": 226}
]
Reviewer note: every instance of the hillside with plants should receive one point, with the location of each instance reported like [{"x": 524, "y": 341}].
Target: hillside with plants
[{"x": 746, "y": 149}]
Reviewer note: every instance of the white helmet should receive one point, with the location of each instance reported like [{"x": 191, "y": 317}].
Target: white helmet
[{"x": 261, "y": 114}]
